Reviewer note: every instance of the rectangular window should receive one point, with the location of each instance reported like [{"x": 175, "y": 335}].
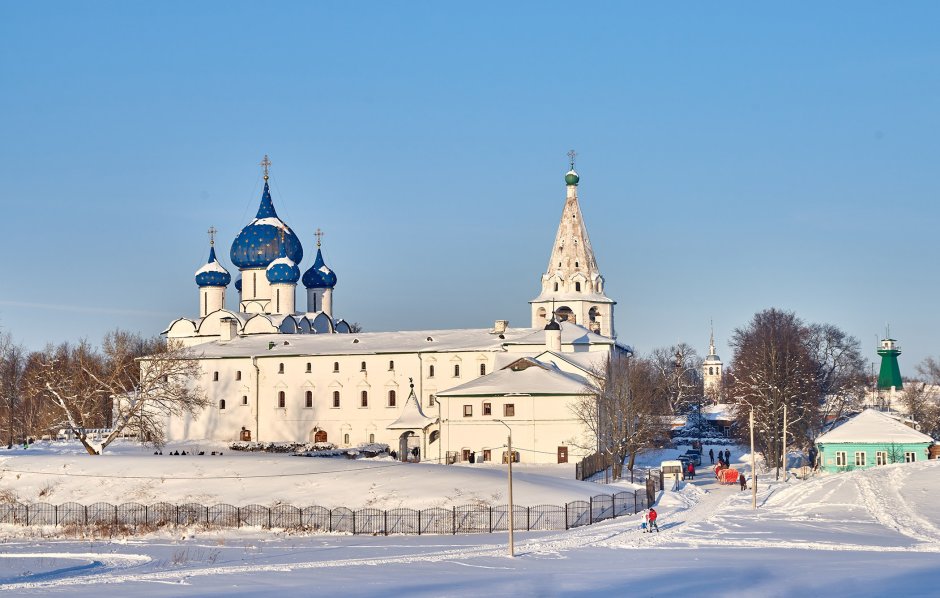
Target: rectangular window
[
  {"x": 238, "y": 375},
  {"x": 309, "y": 367},
  {"x": 391, "y": 365},
  {"x": 487, "y": 455},
  {"x": 215, "y": 376},
  {"x": 336, "y": 399},
  {"x": 430, "y": 371},
  {"x": 392, "y": 398},
  {"x": 468, "y": 410},
  {"x": 364, "y": 398},
  {"x": 335, "y": 367},
  {"x": 244, "y": 399},
  {"x": 859, "y": 459},
  {"x": 509, "y": 410},
  {"x": 487, "y": 409},
  {"x": 456, "y": 370},
  {"x": 431, "y": 401},
  {"x": 466, "y": 455},
  {"x": 482, "y": 369},
  {"x": 910, "y": 457},
  {"x": 840, "y": 459},
  {"x": 881, "y": 458}
]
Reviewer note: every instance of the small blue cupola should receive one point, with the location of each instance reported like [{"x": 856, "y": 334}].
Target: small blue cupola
[
  {"x": 238, "y": 285},
  {"x": 319, "y": 276},
  {"x": 283, "y": 270},
  {"x": 213, "y": 274},
  {"x": 257, "y": 245}
]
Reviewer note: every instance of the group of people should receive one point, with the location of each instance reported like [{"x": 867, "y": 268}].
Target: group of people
[
  {"x": 723, "y": 458},
  {"x": 649, "y": 521}
]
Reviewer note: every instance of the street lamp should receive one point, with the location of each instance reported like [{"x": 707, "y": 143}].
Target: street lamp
[{"x": 512, "y": 547}]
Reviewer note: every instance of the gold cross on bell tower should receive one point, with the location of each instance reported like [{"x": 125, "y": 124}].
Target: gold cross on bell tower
[
  {"x": 265, "y": 165},
  {"x": 318, "y": 234},
  {"x": 212, "y": 232},
  {"x": 571, "y": 156}
]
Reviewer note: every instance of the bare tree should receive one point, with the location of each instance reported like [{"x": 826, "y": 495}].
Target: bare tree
[
  {"x": 840, "y": 371},
  {"x": 626, "y": 411},
  {"x": 12, "y": 370},
  {"x": 679, "y": 369},
  {"x": 774, "y": 367},
  {"x": 921, "y": 402},
  {"x": 133, "y": 384}
]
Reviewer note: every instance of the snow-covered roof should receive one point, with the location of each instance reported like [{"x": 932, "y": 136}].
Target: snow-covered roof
[
  {"x": 873, "y": 426},
  {"x": 561, "y": 297},
  {"x": 525, "y": 376},
  {"x": 412, "y": 416},
  {"x": 721, "y": 411},
  {"x": 363, "y": 343},
  {"x": 571, "y": 334}
]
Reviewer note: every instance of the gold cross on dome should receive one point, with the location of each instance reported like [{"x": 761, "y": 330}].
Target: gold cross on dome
[
  {"x": 318, "y": 234},
  {"x": 265, "y": 165},
  {"x": 571, "y": 156},
  {"x": 212, "y": 232}
]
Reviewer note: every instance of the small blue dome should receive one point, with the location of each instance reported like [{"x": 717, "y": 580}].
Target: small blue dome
[
  {"x": 319, "y": 276},
  {"x": 238, "y": 285},
  {"x": 283, "y": 270},
  {"x": 258, "y": 244},
  {"x": 213, "y": 274}
]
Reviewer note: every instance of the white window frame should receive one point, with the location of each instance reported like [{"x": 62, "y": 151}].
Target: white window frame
[
  {"x": 841, "y": 458},
  {"x": 910, "y": 457},
  {"x": 860, "y": 458}
]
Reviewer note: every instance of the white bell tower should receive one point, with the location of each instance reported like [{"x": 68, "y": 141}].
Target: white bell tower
[{"x": 572, "y": 282}]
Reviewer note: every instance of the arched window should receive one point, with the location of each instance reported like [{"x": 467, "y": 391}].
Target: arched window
[
  {"x": 364, "y": 398},
  {"x": 215, "y": 376},
  {"x": 391, "y": 398},
  {"x": 711, "y": 371},
  {"x": 280, "y": 368},
  {"x": 345, "y": 438},
  {"x": 556, "y": 287},
  {"x": 577, "y": 286},
  {"x": 576, "y": 263},
  {"x": 335, "y": 398},
  {"x": 244, "y": 399},
  {"x": 482, "y": 369},
  {"x": 363, "y": 366},
  {"x": 456, "y": 370},
  {"x": 281, "y": 399},
  {"x": 430, "y": 371},
  {"x": 435, "y": 435},
  {"x": 309, "y": 367},
  {"x": 391, "y": 365},
  {"x": 238, "y": 375},
  {"x": 308, "y": 399},
  {"x": 431, "y": 400},
  {"x": 221, "y": 403},
  {"x": 335, "y": 367},
  {"x": 371, "y": 438}
]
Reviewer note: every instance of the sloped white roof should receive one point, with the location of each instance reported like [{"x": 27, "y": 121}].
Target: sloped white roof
[
  {"x": 538, "y": 379},
  {"x": 571, "y": 334},
  {"x": 721, "y": 411},
  {"x": 412, "y": 416},
  {"x": 872, "y": 426}
]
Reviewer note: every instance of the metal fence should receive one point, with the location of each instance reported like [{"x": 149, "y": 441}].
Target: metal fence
[{"x": 467, "y": 519}]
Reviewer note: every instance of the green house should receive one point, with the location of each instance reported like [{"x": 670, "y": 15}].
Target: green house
[{"x": 869, "y": 439}]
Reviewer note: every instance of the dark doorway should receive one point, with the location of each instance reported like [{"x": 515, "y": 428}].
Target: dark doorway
[{"x": 319, "y": 436}]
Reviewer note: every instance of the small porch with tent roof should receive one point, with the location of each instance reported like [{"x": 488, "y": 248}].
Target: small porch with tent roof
[{"x": 414, "y": 425}]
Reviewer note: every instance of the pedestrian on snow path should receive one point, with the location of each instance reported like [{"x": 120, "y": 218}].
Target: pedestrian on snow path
[
  {"x": 727, "y": 456},
  {"x": 651, "y": 521},
  {"x": 711, "y": 455},
  {"x": 690, "y": 472},
  {"x": 743, "y": 482}
]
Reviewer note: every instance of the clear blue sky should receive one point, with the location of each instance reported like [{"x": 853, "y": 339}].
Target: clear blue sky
[{"x": 732, "y": 158}]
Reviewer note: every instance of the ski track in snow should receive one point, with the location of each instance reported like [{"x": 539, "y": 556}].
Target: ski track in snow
[{"x": 716, "y": 516}]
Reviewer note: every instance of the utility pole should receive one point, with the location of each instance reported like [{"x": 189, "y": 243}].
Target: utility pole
[
  {"x": 512, "y": 546},
  {"x": 784, "y": 442},
  {"x": 753, "y": 465}
]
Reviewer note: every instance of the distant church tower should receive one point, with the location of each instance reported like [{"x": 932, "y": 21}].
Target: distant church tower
[
  {"x": 572, "y": 284},
  {"x": 711, "y": 372},
  {"x": 889, "y": 376}
]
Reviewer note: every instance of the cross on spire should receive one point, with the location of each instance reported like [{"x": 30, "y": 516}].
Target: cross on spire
[
  {"x": 212, "y": 232},
  {"x": 265, "y": 165},
  {"x": 319, "y": 233},
  {"x": 571, "y": 156}
]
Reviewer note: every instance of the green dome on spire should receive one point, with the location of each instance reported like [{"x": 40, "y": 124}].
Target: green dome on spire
[{"x": 571, "y": 177}]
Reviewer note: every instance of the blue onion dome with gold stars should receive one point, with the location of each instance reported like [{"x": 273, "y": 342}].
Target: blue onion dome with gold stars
[
  {"x": 213, "y": 274},
  {"x": 319, "y": 276},
  {"x": 258, "y": 244},
  {"x": 283, "y": 270}
]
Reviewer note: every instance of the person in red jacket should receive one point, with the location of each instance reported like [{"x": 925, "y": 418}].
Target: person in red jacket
[{"x": 651, "y": 518}]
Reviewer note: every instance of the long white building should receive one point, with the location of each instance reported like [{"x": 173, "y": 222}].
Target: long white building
[{"x": 276, "y": 373}]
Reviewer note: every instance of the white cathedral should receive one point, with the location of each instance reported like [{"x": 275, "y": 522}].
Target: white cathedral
[{"x": 276, "y": 373}]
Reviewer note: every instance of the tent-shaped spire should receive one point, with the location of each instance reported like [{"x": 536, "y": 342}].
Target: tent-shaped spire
[{"x": 412, "y": 416}]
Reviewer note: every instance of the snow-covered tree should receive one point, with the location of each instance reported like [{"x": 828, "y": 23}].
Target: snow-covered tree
[
  {"x": 131, "y": 384},
  {"x": 12, "y": 374},
  {"x": 679, "y": 369},
  {"x": 840, "y": 371}
]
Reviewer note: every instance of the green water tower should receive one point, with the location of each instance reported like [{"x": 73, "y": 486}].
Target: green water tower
[{"x": 890, "y": 374}]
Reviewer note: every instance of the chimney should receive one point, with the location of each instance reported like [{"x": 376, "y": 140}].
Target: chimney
[
  {"x": 500, "y": 326},
  {"x": 229, "y": 329}
]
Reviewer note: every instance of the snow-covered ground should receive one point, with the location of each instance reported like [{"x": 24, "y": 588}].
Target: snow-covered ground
[{"x": 863, "y": 533}]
